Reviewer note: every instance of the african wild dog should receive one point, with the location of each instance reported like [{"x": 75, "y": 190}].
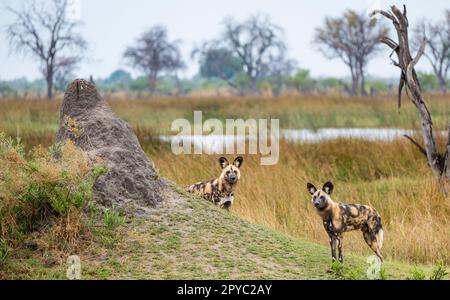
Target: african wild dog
[
  {"x": 339, "y": 218},
  {"x": 220, "y": 190}
]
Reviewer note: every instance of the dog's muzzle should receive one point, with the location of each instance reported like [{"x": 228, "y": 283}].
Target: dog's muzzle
[
  {"x": 232, "y": 179},
  {"x": 320, "y": 204}
]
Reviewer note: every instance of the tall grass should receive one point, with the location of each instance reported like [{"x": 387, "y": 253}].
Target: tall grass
[
  {"x": 43, "y": 193},
  {"x": 391, "y": 176},
  {"x": 37, "y": 120}
]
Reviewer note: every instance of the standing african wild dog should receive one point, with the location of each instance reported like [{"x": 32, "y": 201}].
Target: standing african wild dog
[
  {"x": 220, "y": 190},
  {"x": 339, "y": 218}
]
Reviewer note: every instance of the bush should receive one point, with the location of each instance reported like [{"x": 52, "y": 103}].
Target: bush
[
  {"x": 417, "y": 274},
  {"x": 112, "y": 219},
  {"x": 4, "y": 250},
  {"x": 439, "y": 272},
  {"x": 337, "y": 269},
  {"x": 47, "y": 187}
]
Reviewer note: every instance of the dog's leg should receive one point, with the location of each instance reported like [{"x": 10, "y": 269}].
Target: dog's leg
[
  {"x": 377, "y": 243},
  {"x": 379, "y": 253},
  {"x": 333, "y": 243},
  {"x": 339, "y": 241},
  {"x": 371, "y": 240}
]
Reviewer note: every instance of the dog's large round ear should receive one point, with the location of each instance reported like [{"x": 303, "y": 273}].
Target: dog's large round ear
[
  {"x": 311, "y": 188},
  {"x": 223, "y": 162},
  {"x": 328, "y": 187},
  {"x": 238, "y": 161}
]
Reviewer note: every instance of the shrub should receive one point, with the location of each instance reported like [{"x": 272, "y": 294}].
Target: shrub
[
  {"x": 46, "y": 188},
  {"x": 439, "y": 272},
  {"x": 112, "y": 219},
  {"x": 337, "y": 269},
  {"x": 4, "y": 250},
  {"x": 417, "y": 274},
  {"x": 105, "y": 224}
]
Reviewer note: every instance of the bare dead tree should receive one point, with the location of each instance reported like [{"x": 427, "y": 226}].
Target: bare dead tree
[
  {"x": 43, "y": 30},
  {"x": 438, "y": 163},
  {"x": 64, "y": 73},
  {"x": 278, "y": 71},
  {"x": 437, "y": 36},
  {"x": 154, "y": 54},
  {"x": 353, "y": 38},
  {"x": 256, "y": 42}
]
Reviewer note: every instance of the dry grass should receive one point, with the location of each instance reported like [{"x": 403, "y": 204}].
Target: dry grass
[
  {"x": 36, "y": 121},
  {"x": 42, "y": 195},
  {"x": 391, "y": 176}
]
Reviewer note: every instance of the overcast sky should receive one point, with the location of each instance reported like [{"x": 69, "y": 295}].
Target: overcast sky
[{"x": 111, "y": 25}]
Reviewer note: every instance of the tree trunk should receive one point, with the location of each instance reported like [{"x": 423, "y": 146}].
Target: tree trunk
[
  {"x": 49, "y": 80},
  {"x": 447, "y": 157},
  {"x": 443, "y": 84},
  {"x": 437, "y": 162},
  {"x": 363, "y": 82},
  {"x": 355, "y": 82},
  {"x": 254, "y": 86},
  {"x": 152, "y": 82}
]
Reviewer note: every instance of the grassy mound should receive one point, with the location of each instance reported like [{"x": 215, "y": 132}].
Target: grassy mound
[{"x": 189, "y": 238}]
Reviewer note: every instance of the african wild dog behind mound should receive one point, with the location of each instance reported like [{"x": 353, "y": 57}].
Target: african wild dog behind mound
[
  {"x": 339, "y": 218},
  {"x": 220, "y": 190}
]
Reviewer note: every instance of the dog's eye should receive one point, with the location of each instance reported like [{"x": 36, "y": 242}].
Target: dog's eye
[
  {"x": 322, "y": 198},
  {"x": 228, "y": 172}
]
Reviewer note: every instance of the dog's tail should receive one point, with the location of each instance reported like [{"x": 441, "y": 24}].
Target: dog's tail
[
  {"x": 378, "y": 230},
  {"x": 380, "y": 237}
]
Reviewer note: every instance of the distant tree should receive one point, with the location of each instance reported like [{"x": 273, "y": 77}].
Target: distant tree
[
  {"x": 119, "y": 76},
  {"x": 154, "y": 54},
  {"x": 377, "y": 85},
  {"x": 330, "y": 83},
  {"x": 428, "y": 81},
  {"x": 437, "y": 36},
  {"x": 174, "y": 86},
  {"x": 7, "y": 91},
  {"x": 302, "y": 81},
  {"x": 354, "y": 38},
  {"x": 244, "y": 83},
  {"x": 43, "y": 30},
  {"x": 65, "y": 73},
  {"x": 278, "y": 73},
  {"x": 118, "y": 79},
  {"x": 256, "y": 42},
  {"x": 139, "y": 84},
  {"x": 218, "y": 62}
]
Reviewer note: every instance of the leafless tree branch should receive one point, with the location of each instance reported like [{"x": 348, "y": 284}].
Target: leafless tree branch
[
  {"x": 436, "y": 161},
  {"x": 43, "y": 30},
  {"x": 437, "y": 39},
  {"x": 421, "y": 149}
]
